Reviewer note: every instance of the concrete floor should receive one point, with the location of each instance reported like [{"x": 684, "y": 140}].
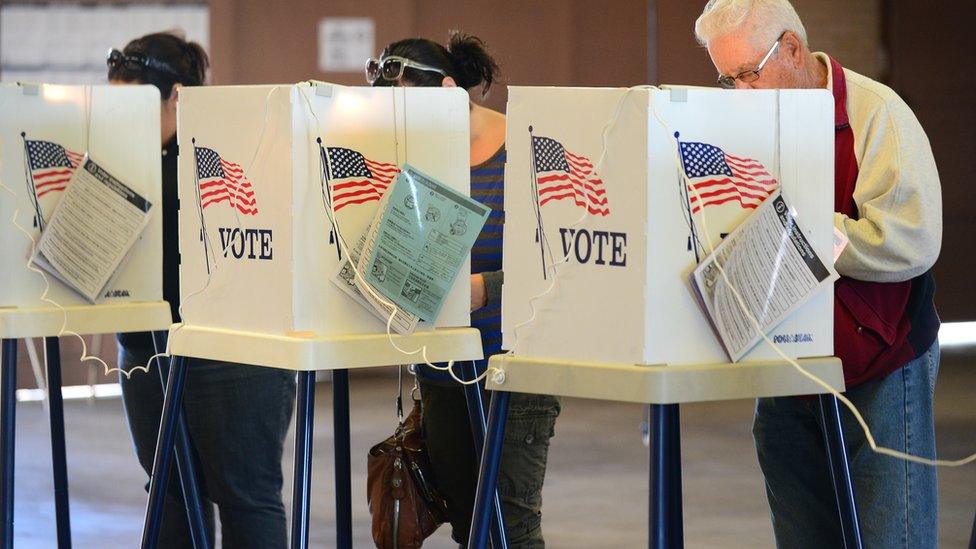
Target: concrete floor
[{"x": 595, "y": 493}]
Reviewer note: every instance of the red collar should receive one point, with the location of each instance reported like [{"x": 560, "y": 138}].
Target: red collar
[{"x": 839, "y": 81}]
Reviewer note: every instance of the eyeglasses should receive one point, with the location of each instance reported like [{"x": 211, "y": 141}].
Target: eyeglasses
[
  {"x": 137, "y": 62},
  {"x": 728, "y": 82},
  {"x": 391, "y": 68}
]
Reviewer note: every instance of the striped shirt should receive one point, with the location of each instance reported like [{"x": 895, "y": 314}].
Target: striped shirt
[{"x": 488, "y": 188}]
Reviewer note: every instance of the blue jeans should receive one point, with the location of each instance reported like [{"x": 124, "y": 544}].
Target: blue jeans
[
  {"x": 897, "y": 501},
  {"x": 237, "y": 417}
]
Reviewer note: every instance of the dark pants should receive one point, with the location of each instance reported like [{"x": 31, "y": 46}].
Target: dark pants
[
  {"x": 450, "y": 444},
  {"x": 237, "y": 417}
]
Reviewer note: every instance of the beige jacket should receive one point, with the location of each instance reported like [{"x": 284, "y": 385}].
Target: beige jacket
[{"x": 898, "y": 194}]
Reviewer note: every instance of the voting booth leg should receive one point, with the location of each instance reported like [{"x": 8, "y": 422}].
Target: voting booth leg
[
  {"x": 163, "y": 459},
  {"x": 840, "y": 470},
  {"x": 474, "y": 396},
  {"x": 185, "y": 465},
  {"x": 972, "y": 537},
  {"x": 8, "y": 401},
  {"x": 302, "y": 485},
  {"x": 666, "y": 529},
  {"x": 343, "y": 468},
  {"x": 488, "y": 470},
  {"x": 59, "y": 462}
]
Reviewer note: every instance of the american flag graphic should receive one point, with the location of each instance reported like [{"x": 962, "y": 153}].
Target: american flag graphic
[
  {"x": 223, "y": 181},
  {"x": 719, "y": 177},
  {"x": 561, "y": 175},
  {"x": 51, "y": 166},
  {"x": 356, "y": 179}
]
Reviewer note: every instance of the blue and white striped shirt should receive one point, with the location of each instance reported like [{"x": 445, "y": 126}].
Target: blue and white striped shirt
[{"x": 488, "y": 188}]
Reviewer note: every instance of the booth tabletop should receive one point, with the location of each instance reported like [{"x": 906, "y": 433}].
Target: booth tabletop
[
  {"x": 310, "y": 352},
  {"x": 662, "y": 384},
  {"x": 20, "y": 322}
]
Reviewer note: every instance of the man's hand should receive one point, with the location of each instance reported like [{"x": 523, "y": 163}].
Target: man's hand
[{"x": 479, "y": 296}]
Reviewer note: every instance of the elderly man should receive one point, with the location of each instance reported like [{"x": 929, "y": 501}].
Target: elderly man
[{"x": 887, "y": 201}]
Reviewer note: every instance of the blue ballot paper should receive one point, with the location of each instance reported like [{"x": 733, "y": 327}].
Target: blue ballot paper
[{"x": 422, "y": 237}]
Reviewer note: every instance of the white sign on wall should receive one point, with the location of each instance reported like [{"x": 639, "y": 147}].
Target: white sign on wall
[
  {"x": 67, "y": 43},
  {"x": 345, "y": 43}
]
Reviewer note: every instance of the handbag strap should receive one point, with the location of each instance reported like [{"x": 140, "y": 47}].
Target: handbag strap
[
  {"x": 399, "y": 395},
  {"x": 415, "y": 392}
]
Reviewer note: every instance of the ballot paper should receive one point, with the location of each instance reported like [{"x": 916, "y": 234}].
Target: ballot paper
[
  {"x": 423, "y": 235},
  {"x": 840, "y": 242},
  {"x": 91, "y": 231},
  {"x": 771, "y": 264},
  {"x": 355, "y": 287}
]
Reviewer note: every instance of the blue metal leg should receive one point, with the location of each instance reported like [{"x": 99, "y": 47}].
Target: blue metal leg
[
  {"x": 302, "y": 485},
  {"x": 666, "y": 529},
  {"x": 474, "y": 394},
  {"x": 185, "y": 465},
  {"x": 488, "y": 474},
  {"x": 8, "y": 409},
  {"x": 163, "y": 459},
  {"x": 52, "y": 358},
  {"x": 674, "y": 443},
  {"x": 840, "y": 471},
  {"x": 343, "y": 468},
  {"x": 972, "y": 537}
]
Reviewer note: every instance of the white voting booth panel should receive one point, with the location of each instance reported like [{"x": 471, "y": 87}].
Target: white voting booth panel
[
  {"x": 119, "y": 126},
  {"x": 269, "y": 253},
  {"x": 623, "y": 295}
]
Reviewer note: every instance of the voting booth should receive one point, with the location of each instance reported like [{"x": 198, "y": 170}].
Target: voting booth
[
  {"x": 611, "y": 199},
  {"x": 627, "y": 229},
  {"x": 258, "y": 249},
  {"x": 45, "y": 131},
  {"x": 272, "y": 179}
]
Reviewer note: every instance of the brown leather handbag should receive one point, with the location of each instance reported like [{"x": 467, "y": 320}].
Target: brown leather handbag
[{"x": 403, "y": 502}]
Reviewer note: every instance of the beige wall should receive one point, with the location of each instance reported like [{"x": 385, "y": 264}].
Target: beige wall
[
  {"x": 931, "y": 45},
  {"x": 557, "y": 42},
  {"x": 848, "y": 30}
]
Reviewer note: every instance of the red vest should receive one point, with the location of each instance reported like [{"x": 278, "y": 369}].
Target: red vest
[{"x": 873, "y": 321}]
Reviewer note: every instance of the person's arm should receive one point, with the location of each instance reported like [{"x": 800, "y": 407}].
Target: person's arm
[
  {"x": 486, "y": 288},
  {"x": 899, "y": 201}
]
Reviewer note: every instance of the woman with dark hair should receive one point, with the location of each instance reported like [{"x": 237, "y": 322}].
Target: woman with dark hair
[
  {"x": 237, "y": 415},
  {"x": 466, "y": 63}
]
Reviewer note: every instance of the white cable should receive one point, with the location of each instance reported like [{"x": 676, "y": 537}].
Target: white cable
[
  {"x": 63, "y": 330},
  {"x": 793, "y": 362},
  {"x": 756, "y": 325},
  {"x": 223, "y": 251},
  {"x": 237, "y": 214},
  {"x": 330, "y": 212}
]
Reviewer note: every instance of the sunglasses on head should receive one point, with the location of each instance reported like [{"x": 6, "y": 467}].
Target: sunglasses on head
[
  {"x": 391, "y": 68},
  {"x": 137, "y": 62}
]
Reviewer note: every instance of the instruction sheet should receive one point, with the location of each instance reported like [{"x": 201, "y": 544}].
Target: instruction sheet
[
  {"x": 771, "y": 265},
  {"x": 422, "y": 238},
  {"x": 93, "y": 228},
  {"x": 345, "y": 278}
]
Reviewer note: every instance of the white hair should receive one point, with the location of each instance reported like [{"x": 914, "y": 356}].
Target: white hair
[{"x": 767, "y": 19}]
